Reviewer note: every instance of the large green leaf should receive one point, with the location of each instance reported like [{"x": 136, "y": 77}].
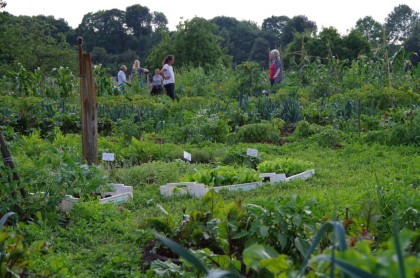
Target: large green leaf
[
  {"x": 183, "y": 253},
  {"x": 5, "y": 217},
  {"x": 346, "y": 267},
  {"x": 218, "y": 273},
  {"x": 255, "y": 253},
  {"x": 339, "y": 233}
]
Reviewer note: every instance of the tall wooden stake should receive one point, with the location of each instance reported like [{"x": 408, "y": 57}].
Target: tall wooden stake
[{"x": 88, "y": 107}]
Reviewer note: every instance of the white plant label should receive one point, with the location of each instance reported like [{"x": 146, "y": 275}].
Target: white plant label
[
  {"x": 187, "y": 156},
  {"x": 108, "y": 156},
  {"x": 251, "y": 152}
]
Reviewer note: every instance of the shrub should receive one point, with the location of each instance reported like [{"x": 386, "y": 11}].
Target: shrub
[
  {"x": 224, "y": 175},
  {"x": 200, "y": 156},
  {"x": 289, "y": 166},
  {"x": 304, "y": 130},
  {"x": 239, "y": 157},
  {"x": 155, "y": 172},
  {"x": 260, "y": 132},
  {"x": 329, "y": 137}
]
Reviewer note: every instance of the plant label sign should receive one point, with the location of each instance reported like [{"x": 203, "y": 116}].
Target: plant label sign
[
  {"x": 108, "y": 156},
  {"x": 187, "y": 156},
  {"x": 251, "y": 152}
]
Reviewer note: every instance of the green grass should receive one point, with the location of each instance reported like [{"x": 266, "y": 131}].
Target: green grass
[{"x": 107, "y": 241}]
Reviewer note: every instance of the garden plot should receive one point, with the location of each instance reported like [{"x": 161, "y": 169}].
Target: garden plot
[
  {"x": 121, "y": 194},
  {"x": 199, "y": 189}
]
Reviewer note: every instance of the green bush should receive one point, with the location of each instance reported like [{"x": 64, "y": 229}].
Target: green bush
[
  {"x": 239, "y": 157},
  {"x": 200, "y": 156},
  {"x": 260, "y": 132},
  {"x": 329, "y": 137},
  {"x": 224, "y": 175},
  {"x": 200, "y": 127},
  {"x": 304, "y": 130},
  {"x": 155, "y": 172},
  {"x": 140, "y": 151},
  {"x": 289, "y": 166}
]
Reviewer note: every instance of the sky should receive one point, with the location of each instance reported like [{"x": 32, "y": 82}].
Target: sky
[{"x": 340, "y": 14}]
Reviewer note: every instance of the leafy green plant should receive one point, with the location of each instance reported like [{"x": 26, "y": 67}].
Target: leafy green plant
[
  {"x": 14, "y": 253},
  {"x": 361, "y": 261},
  {"x": 329, "y": 137},
  {"x": 194, "y": 261},
  {"x": 259, "y": 132},
  {"x": 223, "y": 175},
  {"x": 289, "y": 166}
]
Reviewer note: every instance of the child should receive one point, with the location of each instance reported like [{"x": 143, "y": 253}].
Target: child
[{"x": 157, "y": 82}]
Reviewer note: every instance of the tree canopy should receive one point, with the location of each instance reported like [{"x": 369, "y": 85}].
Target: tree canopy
[{"x": 116, "y": 37}]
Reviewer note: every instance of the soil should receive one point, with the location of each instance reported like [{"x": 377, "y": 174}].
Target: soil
[{"x": 149, "y": 255}]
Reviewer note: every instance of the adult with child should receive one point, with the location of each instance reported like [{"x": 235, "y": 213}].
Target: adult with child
[
  {"x": 157, "y": 82},
  {"x": 276, "y": 67},
  {"x": 138, "y": 71},
  {"x": 168, "y": 75},
  {"x": 122, "y": 79}
]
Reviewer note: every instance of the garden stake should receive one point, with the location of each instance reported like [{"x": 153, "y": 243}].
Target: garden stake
[{"x": 89, "y": 114}]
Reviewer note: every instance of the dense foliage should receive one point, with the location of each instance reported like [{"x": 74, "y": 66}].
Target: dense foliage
[
  {"x": 353, "y": 118},
  {"x": 116, "y": 37},
  {"x": 356, "y": 124}
]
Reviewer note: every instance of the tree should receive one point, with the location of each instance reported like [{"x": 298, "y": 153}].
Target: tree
[
  {"x": 28, "y": 40},
  {"x": 3, "y": 4},
  {"x": 139, "y": 20},
  {"x": 400, "y": 24},
  {"x": 371, "y": 29},
  {"x": 197, "y": 45},
  {"x": 298, "y": 24},
  {"x": 356, "y": 44},
  {"x": 259, "y": 52},
  {"x": 159, "y": 21},
  {"x": 158, "y": 53},
  {"x": 105, "y": 29},
  {"x": 275, "y": 26},
  {"x": 412, "y": 44}
]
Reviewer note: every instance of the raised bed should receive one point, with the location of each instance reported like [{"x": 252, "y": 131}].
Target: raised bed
[
  {"x": 199, "y": 189},
  {"x": 273, "y": 177},
  {"x": 121, "y": 194}
]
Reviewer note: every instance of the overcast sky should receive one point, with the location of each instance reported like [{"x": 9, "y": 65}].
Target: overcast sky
[{"x": 339, "y": 14}]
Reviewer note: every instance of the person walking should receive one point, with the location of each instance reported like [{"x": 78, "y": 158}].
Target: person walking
[
  {"x": 168, "y": 75},
  {"x": 138, "y": 71},
  {"x": 157, "y": 82},
  {"x": 122, "y": 79},
  {"x": 276, "y": 68}
]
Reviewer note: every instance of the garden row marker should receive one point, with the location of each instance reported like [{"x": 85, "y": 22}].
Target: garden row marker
[
  {"x": 187, "y": 156},
  {"x": 252, "y": 152},
  {"x": 108, "y": 156}
]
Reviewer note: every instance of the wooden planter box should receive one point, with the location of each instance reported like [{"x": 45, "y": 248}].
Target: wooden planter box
[{"x": 121, "y": 194}]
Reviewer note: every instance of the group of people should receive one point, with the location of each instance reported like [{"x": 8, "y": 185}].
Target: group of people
[{"x": 164, "y": 77}]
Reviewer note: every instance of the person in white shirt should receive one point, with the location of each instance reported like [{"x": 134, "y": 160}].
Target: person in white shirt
[
  {"x": 122, "y": 79},
  {"x": 168, "y": 75}
]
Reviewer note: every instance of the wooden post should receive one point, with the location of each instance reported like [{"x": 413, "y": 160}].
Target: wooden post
[{"x": 88, "y": 107}]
